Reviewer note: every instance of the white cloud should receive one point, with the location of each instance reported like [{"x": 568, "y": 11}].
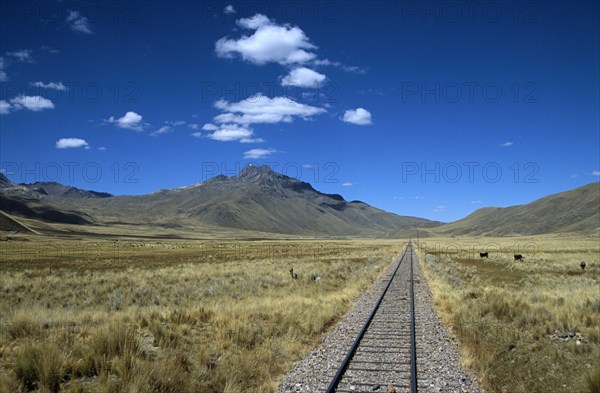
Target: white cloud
[
  {"x": 326, "y": 62},
  {"x": 66, "y": 143},
  {"x": 50, "y": 85},
  {"x": 247, "y": 119},
  {"x": 506, "y": 144},
  {"x": 193, "y": 126},
  {"x": 175, "y": 123},
  {"x": 229, "y": 10},
  {"x": 231, "y": 132},
  {"x": 130, "y": 120},
  {"x": 303, "y": 77},
  {"x": 23, "y": 55},
  {"x": 102, "y": 148},
  {"x": 347, "y": 184},
  {"x": 50, "y": 49},
  {"x": 209, "y": 127},
  {"x": 475, "y": 202},
  {"x": 5, "y": 107},
  {"x": 79, "y": 23},
  {"x": 575, "y": 175},
  {"x": 162, "y": 130},
  {"x": 359, "y": 116},
  {"x": 254, "y": 22},
  {"x": 439, "y": 208},
  {"x": 262, "y": 109},
  {"x": 252, "y": 140},
  {"x": 309, "y": 166},
  {"x": 258, "y": 153},
  {"x": 3, "y": 75},
  {"x": 270, "y": 42},
  {"x": 354, "y": 69},
  {"x": 595, "y": 173},
  {"x": 370, "y": 91},
  {"x": 196, "y": 134},
  {"x": 32, "y": 103}
]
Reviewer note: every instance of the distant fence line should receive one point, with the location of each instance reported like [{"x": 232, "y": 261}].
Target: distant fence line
[
  {"x": 123, "y": 251},
  {"x": 242, "y": 250}
]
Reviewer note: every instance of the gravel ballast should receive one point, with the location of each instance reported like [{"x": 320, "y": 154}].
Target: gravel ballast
[{"x": 438, "y": 360}]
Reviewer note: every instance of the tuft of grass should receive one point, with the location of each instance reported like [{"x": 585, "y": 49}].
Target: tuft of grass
[
  {"x": 24, "y": 324},
  {"x": 592, "y": 380},
  {"x": 170, "y": 373},
  {"x": 9, "y": 383},
  {"x": 40, "y": 366},
  {"x": 114, "y": 340}
]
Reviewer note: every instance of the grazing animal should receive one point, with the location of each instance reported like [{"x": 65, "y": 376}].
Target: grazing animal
[
  {"x": 483, "y": 255},
  {"x": 518, "y": 257},
  {"x": 582, "y": 265},
  {"x": 294, "y": 275},
  {"x": 314, "y": 277}
]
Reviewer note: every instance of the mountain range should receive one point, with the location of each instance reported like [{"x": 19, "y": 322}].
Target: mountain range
[{"x": 259, "y": 199}]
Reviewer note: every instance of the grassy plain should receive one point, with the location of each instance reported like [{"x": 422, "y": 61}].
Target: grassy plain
[
  {"x": 171, "y": 316},
  {"x": 524, "y": 327},
  {"x": 179, "y": 316}
]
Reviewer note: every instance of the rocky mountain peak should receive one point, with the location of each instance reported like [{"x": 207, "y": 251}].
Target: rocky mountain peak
[
  {"x": 253, "y": 172},
  {"x": 4, "y": 182}
]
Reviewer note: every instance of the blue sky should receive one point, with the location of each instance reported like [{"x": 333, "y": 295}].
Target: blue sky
[{"x": 432, "y": 109}]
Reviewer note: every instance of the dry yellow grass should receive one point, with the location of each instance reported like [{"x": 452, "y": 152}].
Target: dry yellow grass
[
  {"x": 170, "y": 316},
  {"x": 514, "y": 319},
  {"x": 213, "y": 316}
]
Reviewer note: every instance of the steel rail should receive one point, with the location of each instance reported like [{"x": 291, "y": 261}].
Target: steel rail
[
  {"x": 413, "y": 341},
  {"x": 342, "y": 370}
]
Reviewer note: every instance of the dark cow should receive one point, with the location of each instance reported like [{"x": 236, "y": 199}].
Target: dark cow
[
  {"x": 294, "y": 275},
  {"x": 582, "y": 265},
  {"x": 518, "y": 257},
  {"x": 483, "y": 255}
]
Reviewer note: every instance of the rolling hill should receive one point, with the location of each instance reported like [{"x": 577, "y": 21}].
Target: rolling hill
[
  {"x": 257, "y": 199},
  {"x": 57, "y": 189},
  {"x": 570, "y": 211},
  {"x": 12, "y": 225},
  {"x": 40, "y": 210},
  {"x": 24, "y": 200}
]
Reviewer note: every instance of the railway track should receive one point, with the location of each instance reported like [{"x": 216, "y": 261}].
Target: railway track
[{"x": 383, "y": 355}]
